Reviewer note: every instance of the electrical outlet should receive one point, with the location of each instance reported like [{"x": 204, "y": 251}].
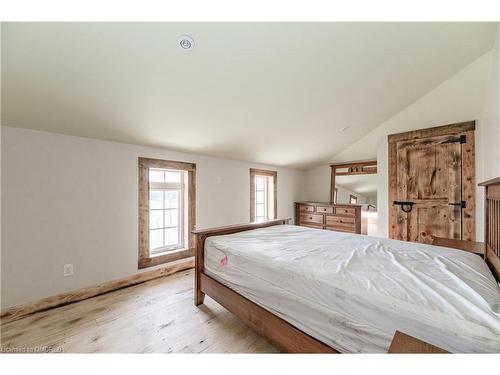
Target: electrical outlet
[{"x": 68, "y": 270}]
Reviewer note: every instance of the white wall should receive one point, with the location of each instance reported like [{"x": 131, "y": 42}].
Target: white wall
[
  {"x": 488, "y": 135},
  {"x": 372, "y": 200},
  {"x": 343, "y": 196},
  {"x": 489, "y": 131},
  {"x": 74, "y": 200},
  {"x": 460, "y": 98},
  {"x": 317, "y": 184},
  {"x": 0, "y": 174}
]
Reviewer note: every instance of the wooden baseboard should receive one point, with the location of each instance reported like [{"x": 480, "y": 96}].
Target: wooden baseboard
[{"x": 16, "y": 312}]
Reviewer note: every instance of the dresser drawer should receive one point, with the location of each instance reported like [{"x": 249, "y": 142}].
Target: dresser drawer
[
  {"x": 342, "y": 220},
  {"x": 342, "y": 229},
  {"x": 345, "y": 211},
  {"x": 341, "y": 223},
  {"x": 312, "y": 225},
  {"x": 304, "y": 208},
  {"x": 311, "y": 218},
  {"x": 324, "y": 209}
]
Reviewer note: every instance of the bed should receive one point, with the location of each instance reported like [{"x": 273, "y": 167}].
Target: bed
[{"x": 311, "y": 290}]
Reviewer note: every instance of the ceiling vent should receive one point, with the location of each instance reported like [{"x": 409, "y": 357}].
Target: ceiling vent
[{"x": 185, "y": 42}]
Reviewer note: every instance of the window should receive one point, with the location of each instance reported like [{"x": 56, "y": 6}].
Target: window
[
  {"x": 263, "y": 195},
  {"x": 166, "y": 214},
  {"x": 353, "y": 199},
  {"x": 166, "y": 211}
]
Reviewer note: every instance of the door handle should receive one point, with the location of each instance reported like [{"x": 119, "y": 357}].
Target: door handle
[
  {"x": 405, "y": 206},
  {"x": 458, "y": 204}
]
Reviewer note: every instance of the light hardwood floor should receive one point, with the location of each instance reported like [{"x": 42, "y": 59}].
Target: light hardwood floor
[{"x": 157, "y": 316}]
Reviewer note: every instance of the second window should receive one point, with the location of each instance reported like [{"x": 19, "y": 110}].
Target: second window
[{"x": 263, "y": 195}]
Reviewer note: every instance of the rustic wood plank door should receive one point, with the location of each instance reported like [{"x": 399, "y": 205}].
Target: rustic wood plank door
[{"x": 430, "y": 178}]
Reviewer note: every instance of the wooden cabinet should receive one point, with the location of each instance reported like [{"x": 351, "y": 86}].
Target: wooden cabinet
[{"x": 329, "y": 216}]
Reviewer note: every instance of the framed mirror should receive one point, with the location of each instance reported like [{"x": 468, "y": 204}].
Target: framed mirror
[{"x": 356, "y": 183}]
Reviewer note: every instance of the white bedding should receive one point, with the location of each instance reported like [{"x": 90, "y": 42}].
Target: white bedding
[{"x": 353, "y": 292}]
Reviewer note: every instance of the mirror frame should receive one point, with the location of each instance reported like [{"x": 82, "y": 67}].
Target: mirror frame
[{"x": 350, "y": 169}]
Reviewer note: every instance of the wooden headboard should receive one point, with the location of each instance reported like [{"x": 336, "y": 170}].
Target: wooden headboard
[{"x": 492, "y": 225}]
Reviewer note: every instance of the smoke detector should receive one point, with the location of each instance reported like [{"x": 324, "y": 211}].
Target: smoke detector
[
  {"x": 185, "y": 42},
  {"x": 345, "y": 128}
]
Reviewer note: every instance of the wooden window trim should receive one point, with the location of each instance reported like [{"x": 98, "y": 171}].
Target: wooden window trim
[
  {"x": 145, "y": 260},
  {"x": 263, "y": 172}
]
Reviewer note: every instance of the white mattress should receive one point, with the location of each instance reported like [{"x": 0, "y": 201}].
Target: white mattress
[{"x": 353, "y": 292}]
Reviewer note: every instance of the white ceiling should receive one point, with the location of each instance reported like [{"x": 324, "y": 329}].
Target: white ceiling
[{"x": 274, "y": 93}]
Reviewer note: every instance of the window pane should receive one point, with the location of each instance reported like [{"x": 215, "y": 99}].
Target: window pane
[
  {"x": 155, "y": 199},
  {"x": 155, "y": 239},
  {"x": 155, "y": 219},
  {"x": 259, "y": 183},
  {"x": 172, "y": 199},
  {"x": 171, "y": 218},
  {"x": 172, "y": 176},
  {"x": 171, "y": 236},
  {"x": 259, "y": 197},
  {"x": 260, "y": 211},
  {"x": 156, "y": 175}
]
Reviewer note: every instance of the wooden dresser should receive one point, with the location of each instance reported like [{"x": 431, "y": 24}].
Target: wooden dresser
[{"x": 339, "y": 217}]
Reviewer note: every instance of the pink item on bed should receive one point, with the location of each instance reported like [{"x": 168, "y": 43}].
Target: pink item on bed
[{"x": 223, "y": 261}]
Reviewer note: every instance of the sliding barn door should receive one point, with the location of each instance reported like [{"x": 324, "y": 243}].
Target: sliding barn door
[{"x": 431, "y": 184}]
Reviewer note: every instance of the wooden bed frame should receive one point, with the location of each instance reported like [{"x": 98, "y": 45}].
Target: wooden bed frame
[
  {"x": 283, "y": 334},
  {"x": 492, "y": 225},
  {"x": 280, "y": 332}
]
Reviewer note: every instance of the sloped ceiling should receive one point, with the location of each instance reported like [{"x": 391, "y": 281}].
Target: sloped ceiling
[{"x": 273, "y": 93}]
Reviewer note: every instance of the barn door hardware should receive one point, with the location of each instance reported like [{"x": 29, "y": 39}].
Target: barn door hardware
[
  {"x": 405, "y": 206},
  {"x": 461, "y": 139},
  {"x": 458, "y": 204}
]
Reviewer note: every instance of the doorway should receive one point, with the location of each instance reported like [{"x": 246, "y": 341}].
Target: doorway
[{"x": 432, "y": 183}]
